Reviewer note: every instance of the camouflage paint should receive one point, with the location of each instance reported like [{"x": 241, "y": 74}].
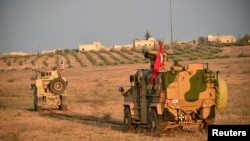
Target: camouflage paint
[
  {"x": 197, "y": 86},
  {"x": 168, "y": 78},
  {"x": 146, "y": 74}
]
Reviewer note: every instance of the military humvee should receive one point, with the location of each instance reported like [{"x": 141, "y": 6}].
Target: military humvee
[
  {"x": 180, "y": 96},
  {"x": 50, "y": 90}
]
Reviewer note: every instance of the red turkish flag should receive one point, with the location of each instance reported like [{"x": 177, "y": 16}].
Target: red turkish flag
[
  {"x": 158, "y": 63},
  {"x": 61, "y": 68}
]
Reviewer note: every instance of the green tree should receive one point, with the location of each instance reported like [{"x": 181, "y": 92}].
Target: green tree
[
  {"x": 194, "y": 41},
  {"x": 202, "y": 40},
  {"x": 244, "y": 40},
  {"x": 147, "y": 35}
]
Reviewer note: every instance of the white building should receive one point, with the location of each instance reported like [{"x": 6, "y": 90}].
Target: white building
[
  {"x": 87, "y": 47},
  {"x": 125, "y": 46},
  {"x": 18, "y": 53},
  {"x": 48, "y": 51},
  {"x": 147, "y": 43},
  {"x": 221, "y": 39}
]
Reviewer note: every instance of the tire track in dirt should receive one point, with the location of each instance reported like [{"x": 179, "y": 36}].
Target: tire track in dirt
[
  {"x": 118, "y": 125},
  {"x": 75, "y": 115}
]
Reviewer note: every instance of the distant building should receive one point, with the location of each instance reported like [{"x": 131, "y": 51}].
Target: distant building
[
  {"x": 147, "y": 43},
  {"x": 18, "y": 53},
  {"x": 48, "y": 51},
  {"x": 121, "y": 46},
  {"x": 221, "y": 39},
  {"x": 87, "y": 47}
]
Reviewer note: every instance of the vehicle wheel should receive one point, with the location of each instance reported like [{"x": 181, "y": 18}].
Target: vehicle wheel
[
  {"x": 36, "y": 107},
  {"x": 208, "y": 121},
  {"x": 128, "y": 127},
  {"x": 39, "y": 108},
  {"x": 204, "y": 127},
  {"x": 154, "y": 123},
  {"x": 64, "y": 102},
  {"x": 63, "y": 107},
  {"x": 35, "y": 102},
  {"x": 57, "y": 86},
  {"x": 221, "y": 97}
]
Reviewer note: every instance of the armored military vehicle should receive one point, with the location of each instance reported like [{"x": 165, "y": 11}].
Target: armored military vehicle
[
  {"x": 170, "y": 96},
  {"x": 50, "y": 89}
]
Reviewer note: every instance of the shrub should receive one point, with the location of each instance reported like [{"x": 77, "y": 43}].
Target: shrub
[
  {"x": 144, "y": 49},
  {"x": 106, "y": 117},
  {"x": 45, "y": 63},
  {"x": 243, "y": 55},
  {"x": 8, "y": 63},
  {"x": 124, "y": 49},
  {"x": 33, "y": 62},
  {"x": 11, "y": 80},
  {"x": 20, "y": 63}
]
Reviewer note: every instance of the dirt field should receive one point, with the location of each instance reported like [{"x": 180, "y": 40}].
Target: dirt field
[{"x": 96, "y": 107}]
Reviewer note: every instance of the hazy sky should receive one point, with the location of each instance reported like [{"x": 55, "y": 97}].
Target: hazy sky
[{"x": 35, "y": 25}]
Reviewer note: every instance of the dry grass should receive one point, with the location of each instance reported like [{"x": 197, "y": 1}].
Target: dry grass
[{"x": 95, "y": 106}]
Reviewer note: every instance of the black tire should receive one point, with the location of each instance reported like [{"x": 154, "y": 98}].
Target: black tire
[
  {"x": 63, "y": 107},
  {"x": 154, "y": 123},
  {"x": 64, "y": 102},
  {"x": 128, "y": 127},
  {"x": 57, "y": 86},
  {"x": 36, "y": 107},
  {"x": 209, "y": 120},
  {"x": 35, "y": 102}
]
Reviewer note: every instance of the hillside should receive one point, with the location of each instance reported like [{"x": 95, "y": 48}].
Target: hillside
[
  {"x": 114, "y": 57},
  {"x": 95, "y": 104}
]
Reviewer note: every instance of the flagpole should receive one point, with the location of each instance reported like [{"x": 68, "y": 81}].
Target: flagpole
[{"x": 171, "y": 26}]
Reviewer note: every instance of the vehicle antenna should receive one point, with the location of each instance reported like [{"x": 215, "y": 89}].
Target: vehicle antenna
[{"x": 171, "y": 27}]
